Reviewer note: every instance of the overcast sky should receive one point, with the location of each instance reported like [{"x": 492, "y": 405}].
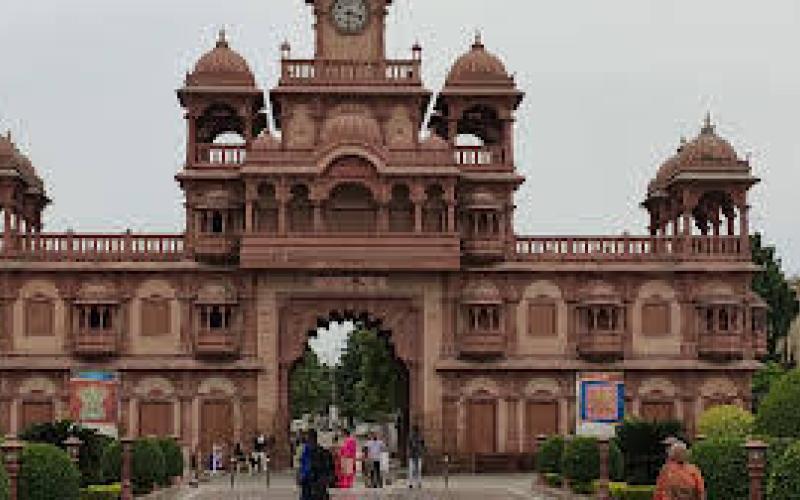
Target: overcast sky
[{"x": 87, "y": 88}]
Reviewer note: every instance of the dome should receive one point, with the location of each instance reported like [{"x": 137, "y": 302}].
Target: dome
[
  {"x": 480, "y": 292},
  {"x": 707, "y": 151},
  {"x": 477, "y": 65},
  {"x": 11, "y": 158},
  {"x": 351, "y": 127},
  {"x": 221, "y": 66}
]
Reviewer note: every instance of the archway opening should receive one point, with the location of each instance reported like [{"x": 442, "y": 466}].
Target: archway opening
[{"x": 350, "y": 377}]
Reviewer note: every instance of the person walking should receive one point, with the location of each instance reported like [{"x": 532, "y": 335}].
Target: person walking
[
  {"x": 416, "y": 450},
  {"x": 347, "y": 461},
  {"x": 375, "y": 448},
  {"x": 679, "y": 480},
  {"x": 316, "y": 472},
  {"x": 259, "y": 452}
]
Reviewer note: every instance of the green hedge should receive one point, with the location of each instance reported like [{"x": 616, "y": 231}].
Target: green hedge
[
  {"x": 47, "y": 473},
  {"x": 3, "y": 481},
  {"x": 101, "y": 492},
  {"x": 783, "y": 482},
  {"x": 173, "y": 457},
  {"x": 723, "y": 462},
  {"x": 148, "y": 465},
  {"x": 581, "y": 461},
  {"x": 726, "y": 420},
  {"x": 548, "y": 457},
  {"x": 553, "y": 479},
  {"x": 112, "y": 462},
  {"x": 623, "y": 491},
  {"x": 641, "y": 443},
  {"x": 777, "y": 414}
]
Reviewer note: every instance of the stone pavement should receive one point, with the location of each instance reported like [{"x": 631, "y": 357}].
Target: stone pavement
[{"x": 461, "y": 487}]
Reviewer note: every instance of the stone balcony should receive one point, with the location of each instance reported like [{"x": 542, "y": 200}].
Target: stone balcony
[
  {"x": 216, "y": 246},
  {"x": 482, "y": 345},
  {"x": 95, "y": 343},
  {"x": 217, "y": 343},
  {"x": 483, "y": 250},
  {"x": 601, "y": 346},
  {"x": 717, "y": 346}
]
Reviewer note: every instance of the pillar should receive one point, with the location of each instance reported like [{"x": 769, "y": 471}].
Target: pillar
[
  {"x": 191, "y": 126},
  {"x": 602, "y": 487},
  {"x": 282, "y": 196},
  {"x": 756, "y": 466},
  {"x": 127, "y": 489},
  {"x": 12, "y": 457},
  {"x": 744, "y": 228},
  {"x": 73, "y": 445},
  {"x": 7, "y": 229}
]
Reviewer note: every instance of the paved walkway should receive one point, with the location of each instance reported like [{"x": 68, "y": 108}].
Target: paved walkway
[{"x": 461, "y": 487}]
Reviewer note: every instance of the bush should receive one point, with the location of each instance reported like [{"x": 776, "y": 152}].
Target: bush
[
  {"x": 784, "y": 480},
  {"x": 548, "y": 457},
  {"x": 616, "y": 462},
  {"x": 3, "y": 483},
  {"x": 173, "y": 457},
  {"x": 553, "y": 479},
  {"x": 91, "y": 450},
  {"x": 723, "y": 462},
  {"x": 581, "y": 460},
  {"x": 47, "y": 473},
  {"x": 148, "y": 465},
  {"x": 101, "y": 492},
  {"x": 726, "y": 420},
  {"x": 777, "y": 414},
  {"x": 641, "y": 444},
  {"x": 112, "y": 462},
  {"x": 622, "y": 491}
]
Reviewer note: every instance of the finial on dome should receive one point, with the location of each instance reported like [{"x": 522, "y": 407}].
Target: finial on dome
[
  {"x": 222, "y": 41},
  {"x": 478, "y": 40},
  {"x": 8, "y": 135},
  {"x": 708, "y": 124}
]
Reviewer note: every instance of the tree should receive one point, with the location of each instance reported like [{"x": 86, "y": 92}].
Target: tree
[
  {"x": 771, "y": 284},
  {"x": 777, "y": 414},
  {"x": 726, "y": 421},
  {"x": 310, "y": 386},
  {"x": 763, "y": 380}
]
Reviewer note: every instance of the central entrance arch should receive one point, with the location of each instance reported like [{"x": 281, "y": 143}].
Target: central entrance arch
[{"x": 397, "y": 319}]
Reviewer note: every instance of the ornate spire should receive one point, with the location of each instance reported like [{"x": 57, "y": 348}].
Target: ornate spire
[
  {"x": 708, "y": 125},
  {"x": 478, "y": 44},
  {"x": 222, "y": 41}
]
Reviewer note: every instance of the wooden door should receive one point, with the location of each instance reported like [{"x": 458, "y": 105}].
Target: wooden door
[
  {"x": 36, "y": 412},
  {"x": 155, "y": 418},
  {"x": 482, "y": 426},
  {"x": 541, "y": 417},
  {"x": 657, "y": 411},
  {"x": 216, "y": 427}
]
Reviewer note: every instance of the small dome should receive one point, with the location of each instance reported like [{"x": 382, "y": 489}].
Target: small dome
[
  {"x": 477, "y": 65},
  {"x": 706, "y": 151},
  {"x": 221, "y": 66},
  {"x": 11, "y": 158},
  {"x": 480, "y": 292},
  {"x": 266, "y": 142},
  {"x": 351, "y": 127}
]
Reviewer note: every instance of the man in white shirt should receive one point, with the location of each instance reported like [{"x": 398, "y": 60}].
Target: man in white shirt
[{"x": 374, "y": 449}]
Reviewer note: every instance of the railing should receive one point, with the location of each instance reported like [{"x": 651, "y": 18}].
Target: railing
[
  {"x": 601, "y": 344},
  {"x": 88, "y": 247},
  {"x": 300, "y": 71},
  {"x": 95, "y": 342},
  {"x": 477, "y": 155},
  {"x": 720, "y": 345},
  {"x": 220, "y": 154},
  {"x": 217, "y": 342},
  {"x": 575, "y": 248}
]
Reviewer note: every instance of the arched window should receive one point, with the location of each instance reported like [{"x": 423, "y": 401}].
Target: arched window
[
  {"x": 351, "y": 208},
  {"x": 215, "y": 319},
  {"x": 94, "y": 318},
  {"x": 267, "y": 214},
  {"x": 401, "y": 210},
  {"x": 301, "y": 212},
  {"x": 217, "y": 222},
  {"x": 434, "y": 210}
]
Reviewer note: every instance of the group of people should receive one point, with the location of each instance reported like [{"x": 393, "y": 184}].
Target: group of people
[
  {"x": 321, "y": 469},
  {"x": 255, "y": 461}
]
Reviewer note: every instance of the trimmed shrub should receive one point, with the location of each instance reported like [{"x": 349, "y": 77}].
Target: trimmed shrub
[
  {"x": 101, "y": 492},
  {"x": 726, "y": 420},
  {"x": 777, "y": 414},
  {"x": 47, "y": 473},
  {"x": 637, "y": 492},
  {"x": 581, "y": 461},
  {"x": 548, "y": 457},
  {"x": 173, "y": 457},
  {"x": 641, "y": 444},
  {"x": 723, "y": 462},
  {"x": 616, "y": 462},
  {"x": 148, "y": 465},
  {"x": 3, "y": 483},
  {"x": 783, "y": 482},
  {"x": 91, "y": 450},
  {"x": 553, "y": 479},
  {"x": 112, "y": 462}
]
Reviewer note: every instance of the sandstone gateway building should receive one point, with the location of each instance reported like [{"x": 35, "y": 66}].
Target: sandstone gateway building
[{"x": 351, "y": 211}]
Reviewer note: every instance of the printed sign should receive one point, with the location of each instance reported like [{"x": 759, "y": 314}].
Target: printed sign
[
  {"x": 93, "y": 401},
  {"x": 601, "y": 403}
]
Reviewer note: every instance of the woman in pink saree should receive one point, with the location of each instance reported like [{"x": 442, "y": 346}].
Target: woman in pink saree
[{"x": 347, "y": 461}]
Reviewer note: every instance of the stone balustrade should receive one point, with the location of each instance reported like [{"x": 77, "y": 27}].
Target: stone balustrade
[
  {"x": 330, "y": 72},
  {"x": 73, "y": 247}
]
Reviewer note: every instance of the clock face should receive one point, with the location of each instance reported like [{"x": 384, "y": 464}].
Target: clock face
[{"x": 350, "y": 16}]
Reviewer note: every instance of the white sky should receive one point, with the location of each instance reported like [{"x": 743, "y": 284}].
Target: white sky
[{"x": 87, "y": 87}]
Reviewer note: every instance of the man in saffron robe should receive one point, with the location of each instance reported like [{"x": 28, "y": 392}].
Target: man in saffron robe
[
  {"x": 347, "y": 461},
  {"x": 678, "y": 479}
]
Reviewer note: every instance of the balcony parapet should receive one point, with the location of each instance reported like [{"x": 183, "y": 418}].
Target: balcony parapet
[
  {"x": 482, "y": 344},
  {"x": 717, "y": 346},
  {"x": 73, "y": 247},
  {"x": 217, "y": 343},
  {"x": 92, "y": 343},
  {"x": 601, "y": 345},
  {"x": 629, "y": 248},
  {"x": 338, "y": 72},
  {"x": 219, "y": 155}
]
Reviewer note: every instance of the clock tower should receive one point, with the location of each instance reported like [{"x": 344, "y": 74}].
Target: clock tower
[{"x": 350, "y": 29}]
